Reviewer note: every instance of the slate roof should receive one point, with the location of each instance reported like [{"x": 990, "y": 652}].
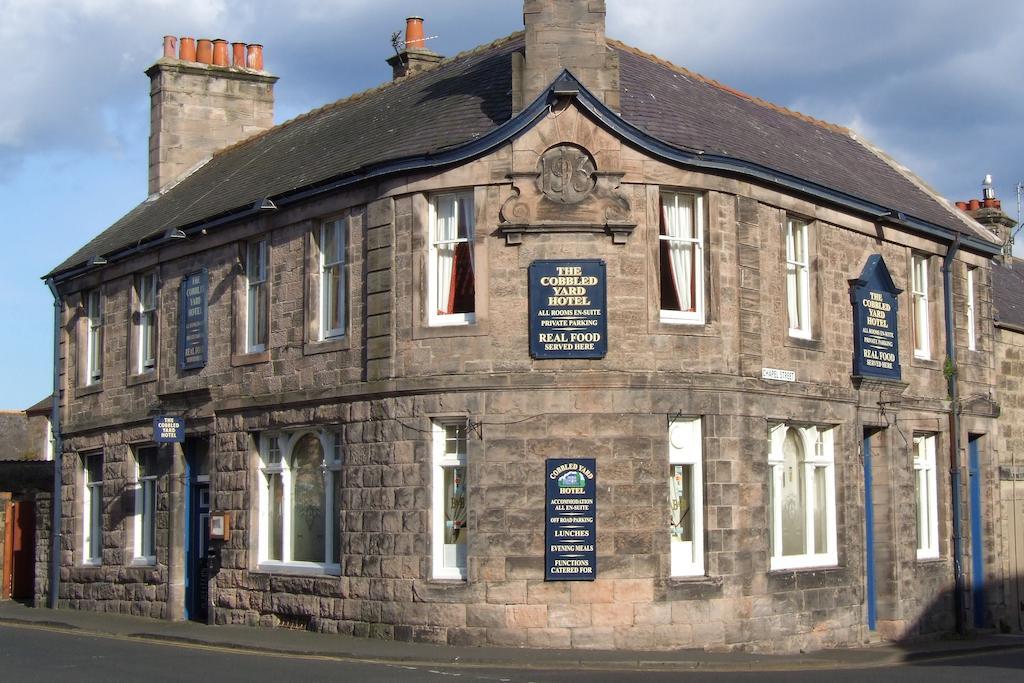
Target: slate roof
[
  {"x": 469, "y": 96},
  {"x": 1008, "y": 292}
]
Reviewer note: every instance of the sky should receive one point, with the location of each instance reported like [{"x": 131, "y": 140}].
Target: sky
[{"x": 938, "y": 84}]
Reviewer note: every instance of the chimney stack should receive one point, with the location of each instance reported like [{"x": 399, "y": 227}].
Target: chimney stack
[
  {"x": 989, "y": 211},
  {"x": 203, "y": 99},
  {"x": 415, "y": 58},
  {"x": 567, "y": 34}
]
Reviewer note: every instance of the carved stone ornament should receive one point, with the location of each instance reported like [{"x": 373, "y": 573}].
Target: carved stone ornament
[{"x": 566, "y": 193}]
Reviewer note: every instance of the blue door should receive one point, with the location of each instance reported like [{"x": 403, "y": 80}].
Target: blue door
[
  {"x": 977, "y": 545},
  {"x": 197, "y": 502}
]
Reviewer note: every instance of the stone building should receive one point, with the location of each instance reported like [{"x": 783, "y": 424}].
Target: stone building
[{"x": 550, "y": 309}]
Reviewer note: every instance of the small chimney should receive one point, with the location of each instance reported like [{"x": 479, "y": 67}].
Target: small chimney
[
  {"x": 199, "y": 103},
  {"x": 415, "y": 58},
  {"x": 989, "y": 211},
  {"x": 567, "y": 34}
]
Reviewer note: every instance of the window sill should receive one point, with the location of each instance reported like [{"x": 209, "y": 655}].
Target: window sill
[
  {"x": 327, "y": 345},
  {"x": 806, "y": 343},
  {"x": 929, "y": 363},
  {"x": 242, "y": 359},
  {"x": 299, "y": 568},
  {"x": 930, "y": 559},
  {"x": 441, "y": 330},
  {"x": 828, "y": 564},
  {"x": 143, "y": 562},
  {"x": 89, "y": 390},
  {"x": 144, "y": 378},
  {"x": 684, "y": 328},
  {"x": 91, "y": 564}
]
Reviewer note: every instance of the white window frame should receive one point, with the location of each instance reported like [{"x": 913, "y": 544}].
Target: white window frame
[
  {"x": 444, "y": 567},
  {"x": 144, "y": 516},
  {"x": 434, "y": 318},
  {"x": 972, "y": 335},
  {"x": 329, "y": 263},
  {"x": 926, "y": 478},
  {"x": 94, "y": 337},
  {"x": 919, "y": 292},
  {"x": 92, "y": 510},
  {"x": 685, "y": 448},
  {"x": 818, "y": 446},
  {"x": 331, "y": 442},
  {"x": 697, "y": 315},
  {"x": 798, "y": 278},
  {"x": 255, "y": 292},
  {"x": 146, "y": 287}
]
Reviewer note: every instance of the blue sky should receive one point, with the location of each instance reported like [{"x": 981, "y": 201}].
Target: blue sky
[{"x": 934, "y": 83}]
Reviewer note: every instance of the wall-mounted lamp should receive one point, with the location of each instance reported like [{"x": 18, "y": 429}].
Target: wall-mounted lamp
[
  {"x": 175, "y": 234},
  {"x": 265, "y": 204},
  {"x": 98, "y": 260}
]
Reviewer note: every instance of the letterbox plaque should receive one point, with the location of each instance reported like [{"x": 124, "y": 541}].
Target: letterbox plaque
[
  {"x": 568, "y": 309},
  {"x": 571, "y": 522}
]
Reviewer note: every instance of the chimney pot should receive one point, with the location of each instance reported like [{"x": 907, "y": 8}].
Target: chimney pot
[
  {"x": 962, "y": 206},
  {"x": 204, "y": 51},
  {"x": 974, "y": 205},
  {"x": 220, "y": 52},
  {"x": 238, "y": 55},
  {"x": 187, "y": 49},
  {"x": 254, "y": 57},
  {"x": 170, "y": 47},
  {"x": 989, "y": 202},
  {"x": 414, "y": 38}
]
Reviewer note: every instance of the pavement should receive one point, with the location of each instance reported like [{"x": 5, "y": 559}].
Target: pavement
[{"x": 347, "y": 648}]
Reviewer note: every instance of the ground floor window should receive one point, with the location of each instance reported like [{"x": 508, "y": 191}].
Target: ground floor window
[
  {"x": 299, "y": 514},
  {"x": 92, "y": 508},
  {"x": 802, "y": 496},
  {"x": 686, "y": 498},
  {"x": 449, "y": 500},
  {"x": 925, "y": 495},
  {"x": 145, "y": 506}
]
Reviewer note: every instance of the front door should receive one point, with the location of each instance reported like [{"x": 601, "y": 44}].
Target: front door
[
  {"x": 977, "y": 544},
  {"x": 871, "y": 593},
  {"x": 23, "y": 550},
  {"x": 197, "y": 566}
]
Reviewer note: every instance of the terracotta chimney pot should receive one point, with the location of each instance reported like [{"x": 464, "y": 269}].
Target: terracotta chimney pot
[
  {"x": 220, "y": 52},
  {"x": 254, "y": 58},
  {"x": 238, "y": 55},
  {"x": 989, "y": 203},
  {"x": 974, "y": 205},
  {"x": 204, "y": 51},
  {"x": 187, "y": 49},
  {"x": 414, "y": 38},
  {"x": 962, "y": 206},
  {"x": 170, "y": 47}
]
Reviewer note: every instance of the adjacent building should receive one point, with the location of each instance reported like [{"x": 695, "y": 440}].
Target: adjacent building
[{"x": 552, "y": 343}]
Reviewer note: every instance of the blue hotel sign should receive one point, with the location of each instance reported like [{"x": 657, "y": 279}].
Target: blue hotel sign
[
  {"x": 168, "y": 429},
  {"x": 568, "y": 309},
  {"x": 570, "y": 552},
  {"x": 192, "y": 316},
  {"x": 876, "y": 347}
]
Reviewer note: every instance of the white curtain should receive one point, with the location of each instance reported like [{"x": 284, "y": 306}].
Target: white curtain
[
  {"x": 678, "y": 221},
  {"x": 447, "y": 232}
]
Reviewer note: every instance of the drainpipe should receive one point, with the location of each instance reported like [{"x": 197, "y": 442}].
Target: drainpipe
[
  {"x": 954, "y": 436},
  {"x": 58, "y": 455}
]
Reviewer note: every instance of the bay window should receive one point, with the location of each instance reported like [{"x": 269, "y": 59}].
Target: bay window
[
  {"x": 802, "y": 497},
  {"x": 451, "y": 272},
  {"x": 681, "y": 259},
  {"x": 686, "y": 498},
  {"x": 299, "y": 511},
  {"x": 449, "y": 500}
]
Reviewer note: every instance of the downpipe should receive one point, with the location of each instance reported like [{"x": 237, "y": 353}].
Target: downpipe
[
  {"x": 951, "y": 371},
  {"x": 58, "y": 455}
]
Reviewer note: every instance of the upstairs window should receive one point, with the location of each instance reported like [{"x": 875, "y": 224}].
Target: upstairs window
[
  {"x": 925, "y": 492},
  {"x": 146, "y": 295},
  {"x": 919, "y": 292},
  {"x": 802, "y": 497},
  {"x": 94, "y": 337},
  {"x": 972, "y": 337},
  {"x": 256, "y": 295},
  {"x": 450, "y": 533},
  {"x": 333, "y": 279},
  {"x": 798, "y": 279},
  {"x": 680, "y": 249},
  {"x": 452, "y": 288}
]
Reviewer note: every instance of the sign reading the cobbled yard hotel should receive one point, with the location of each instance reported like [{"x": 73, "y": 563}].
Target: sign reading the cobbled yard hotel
[
  {"x": 192, "y": 332},
  {"x": 876, "y": 343},
  {"x": 570, "y": 552},
  {"x": 568, "y": 309}
]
